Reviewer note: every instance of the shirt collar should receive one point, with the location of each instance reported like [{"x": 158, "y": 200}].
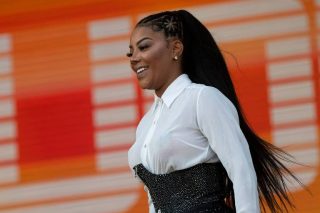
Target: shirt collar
[{"x": 174, "y": 89}]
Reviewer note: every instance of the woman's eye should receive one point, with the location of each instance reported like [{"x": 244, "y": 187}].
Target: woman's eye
[{"x": 143, "y": 47}]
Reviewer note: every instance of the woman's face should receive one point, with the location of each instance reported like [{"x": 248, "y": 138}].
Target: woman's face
[{"x": 152, "y": 59}]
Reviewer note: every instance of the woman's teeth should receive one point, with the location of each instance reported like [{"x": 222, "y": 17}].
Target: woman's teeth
[{"x": 141, "y": 70}]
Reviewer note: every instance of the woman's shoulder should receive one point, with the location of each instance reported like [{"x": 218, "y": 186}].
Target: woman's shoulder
[
  {"x": 211, "y": 96},
  {"x": 198, "y": 92},
  {"x": 204, "y": 91}
]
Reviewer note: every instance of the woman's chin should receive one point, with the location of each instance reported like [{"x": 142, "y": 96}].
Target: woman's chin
[{"x": 144, "y": 85}]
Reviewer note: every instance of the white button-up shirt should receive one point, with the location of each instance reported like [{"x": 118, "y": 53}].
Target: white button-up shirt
[{"x": 191, "y": 124}]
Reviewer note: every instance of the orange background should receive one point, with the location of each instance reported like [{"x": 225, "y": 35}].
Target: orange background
[{"x": 52, "y": 158}]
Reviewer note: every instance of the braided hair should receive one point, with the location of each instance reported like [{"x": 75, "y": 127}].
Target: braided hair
[{"x": 203, "y": 62}]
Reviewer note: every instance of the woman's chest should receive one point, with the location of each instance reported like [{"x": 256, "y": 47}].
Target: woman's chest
[{"x": 171, "y": 138}]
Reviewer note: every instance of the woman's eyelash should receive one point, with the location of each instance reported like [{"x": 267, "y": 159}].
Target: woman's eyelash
[
  {"x": 140, "y": 48},
  {"x": 143, "y": 47}
]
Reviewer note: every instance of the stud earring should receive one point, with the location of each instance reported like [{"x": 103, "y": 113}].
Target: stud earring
[{"x": 175, "y": 58}]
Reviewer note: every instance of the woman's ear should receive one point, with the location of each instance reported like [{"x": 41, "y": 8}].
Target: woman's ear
[{"x": 177, "y": 48}]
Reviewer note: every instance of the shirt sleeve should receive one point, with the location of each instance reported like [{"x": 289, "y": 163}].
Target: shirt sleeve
[{"x": 218, "y": 120}]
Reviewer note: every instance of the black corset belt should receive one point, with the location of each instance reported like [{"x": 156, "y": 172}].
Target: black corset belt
[{"x": 201, "y": 188}]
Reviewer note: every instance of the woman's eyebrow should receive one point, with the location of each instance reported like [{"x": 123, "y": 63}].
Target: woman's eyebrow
[{"x": 138, "y": 42}]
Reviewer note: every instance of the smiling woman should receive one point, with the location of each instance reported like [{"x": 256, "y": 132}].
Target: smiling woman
[
  {"x": 194, "y": 151},
  {"x": 151, "y": 55}
]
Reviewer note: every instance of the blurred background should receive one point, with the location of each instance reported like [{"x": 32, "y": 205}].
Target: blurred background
[{"x": 69, "y": 103}]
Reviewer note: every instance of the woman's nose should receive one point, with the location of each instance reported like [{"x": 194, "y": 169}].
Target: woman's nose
[{"x": 134, "y": 58}]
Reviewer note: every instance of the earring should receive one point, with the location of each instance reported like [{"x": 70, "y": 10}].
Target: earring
[{"x": 175, "y": 58}]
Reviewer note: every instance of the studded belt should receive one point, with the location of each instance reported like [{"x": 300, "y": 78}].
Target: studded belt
[{"x": 201, "y": 188}]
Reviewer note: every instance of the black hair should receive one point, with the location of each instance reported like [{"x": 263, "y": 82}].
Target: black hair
[{"x": 203, "y": 62}]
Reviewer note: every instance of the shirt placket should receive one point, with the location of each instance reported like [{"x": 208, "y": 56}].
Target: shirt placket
[{"x": 157, "y": 112}]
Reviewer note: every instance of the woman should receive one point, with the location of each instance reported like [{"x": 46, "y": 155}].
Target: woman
[{"x": 194, "y": 151}]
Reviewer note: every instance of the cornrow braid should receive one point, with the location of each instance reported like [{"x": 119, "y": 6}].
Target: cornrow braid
[{"x": 168, "y": 22}]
